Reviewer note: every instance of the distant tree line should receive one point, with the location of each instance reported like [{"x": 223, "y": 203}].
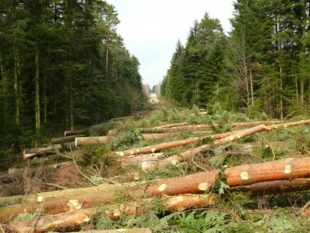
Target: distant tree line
[
  {"x": 262, "y": 66},
  {"x": 62, "y": 65}
]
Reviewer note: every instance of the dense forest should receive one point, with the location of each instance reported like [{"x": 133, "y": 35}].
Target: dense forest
[
  {"x": 261, "y": 66},
  {"x": 62, "y": 65}
]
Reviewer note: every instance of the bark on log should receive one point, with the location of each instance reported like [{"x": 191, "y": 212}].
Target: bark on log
[
  {"x": 90, "y": 141},
  {"x": 75, "y": 219},
  {"x": 284, "y": 169},
  {"x": 204, "y": 127},
  {"x": 275, "y": 187},
  {"x": 189, "y": 155},
  {"x": 159, "y": 136},
  {"x": 289, "y": 124},
  {"x": 176, "y": 129},
  {"x": 172, "y": 125},
  {"x": 75, "y": 132},
  {"x": 65, "y": 139},
  {"x": 158, "y": 147},
  {"x": 41, "y": 151},
  {"x": 27, "y": 153},
  {"x": 240, "y": 134},
  {"x": 61, "y": 222}
]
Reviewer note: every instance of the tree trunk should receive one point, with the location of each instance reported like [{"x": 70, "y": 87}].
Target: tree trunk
[
  {"x": 16, "y": 86},
  {"x": 281, "y": 94},
  {"x": 252, "y": 88},
  {"x": 37, "y": 93}
]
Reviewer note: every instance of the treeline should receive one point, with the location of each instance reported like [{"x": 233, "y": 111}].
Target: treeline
[
  {"x": 62, "y": 65},
  {"x": 262, "y": 66}
]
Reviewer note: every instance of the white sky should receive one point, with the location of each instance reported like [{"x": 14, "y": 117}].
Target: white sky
[{"x": 151, "y": 28}]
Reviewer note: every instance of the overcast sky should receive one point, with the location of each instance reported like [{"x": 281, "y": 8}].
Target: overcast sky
[{"x": 151, "y": 28}]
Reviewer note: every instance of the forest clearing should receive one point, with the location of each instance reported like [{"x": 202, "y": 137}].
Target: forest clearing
[
  {"x": 220, "y": 144},
  {"x": 167, "y": 170}
]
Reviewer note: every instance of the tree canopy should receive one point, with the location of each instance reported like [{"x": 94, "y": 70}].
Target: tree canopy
[{"x": 62, "y": 65}]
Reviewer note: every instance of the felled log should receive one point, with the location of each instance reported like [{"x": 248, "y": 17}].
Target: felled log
[
  {"x": 65, "y": 139},
  {"x": 240, "y": 134},
  {"x": 74, "y": 220},
  {"x": 61, "y": 222},
  {"x": 204, "y": 127},
  {"x": 172, "y": 203},
  {"x": 189, "y": 154},
  {"x": 90, "y": 141},
  {"x": 198, "y": 183},
  {"x": 160, "y": 136},
  {"x": 176, "y": 129},
  {"x": 75, "y": 132},
  {"x": 284, "y": 169},
  {"x": 275, "y": 187},
  {"x": 58, "y": 201},
  {"x": 27, "y": 153},
  {"x": 42, "y": 151},
  {"x": 289, "y": 124},
  {"x": 158, "y": 147},
  {"x": 172, "y": 125}
]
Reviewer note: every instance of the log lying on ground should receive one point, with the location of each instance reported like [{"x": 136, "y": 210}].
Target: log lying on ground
[
  {"x": 160, "y": 136},
  {"x": 90, "y": 141},
  {"x": 289, "y": 124},
  {"x": 284, "y": 169},
  {"x": 65, "y": 139},
  {"x": 75, "y": 132},
  {"x": 223, "y": 139},
  {"x": 172, "y": 125},
  {"x": 204, "y": 127},
  {"x": 76, "y": 219},
  {"x": 41, "y": 151},
  {"x": 154, "y": 148},
  {"x": 275, "y": 187},
  {"x": 27, "y": 153},
  {"x": 189, "y": 154},
  {"x": 198, "y": 183},
  {"x": 158, "y": 147},
  {"x": 176, "y": 129}
]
